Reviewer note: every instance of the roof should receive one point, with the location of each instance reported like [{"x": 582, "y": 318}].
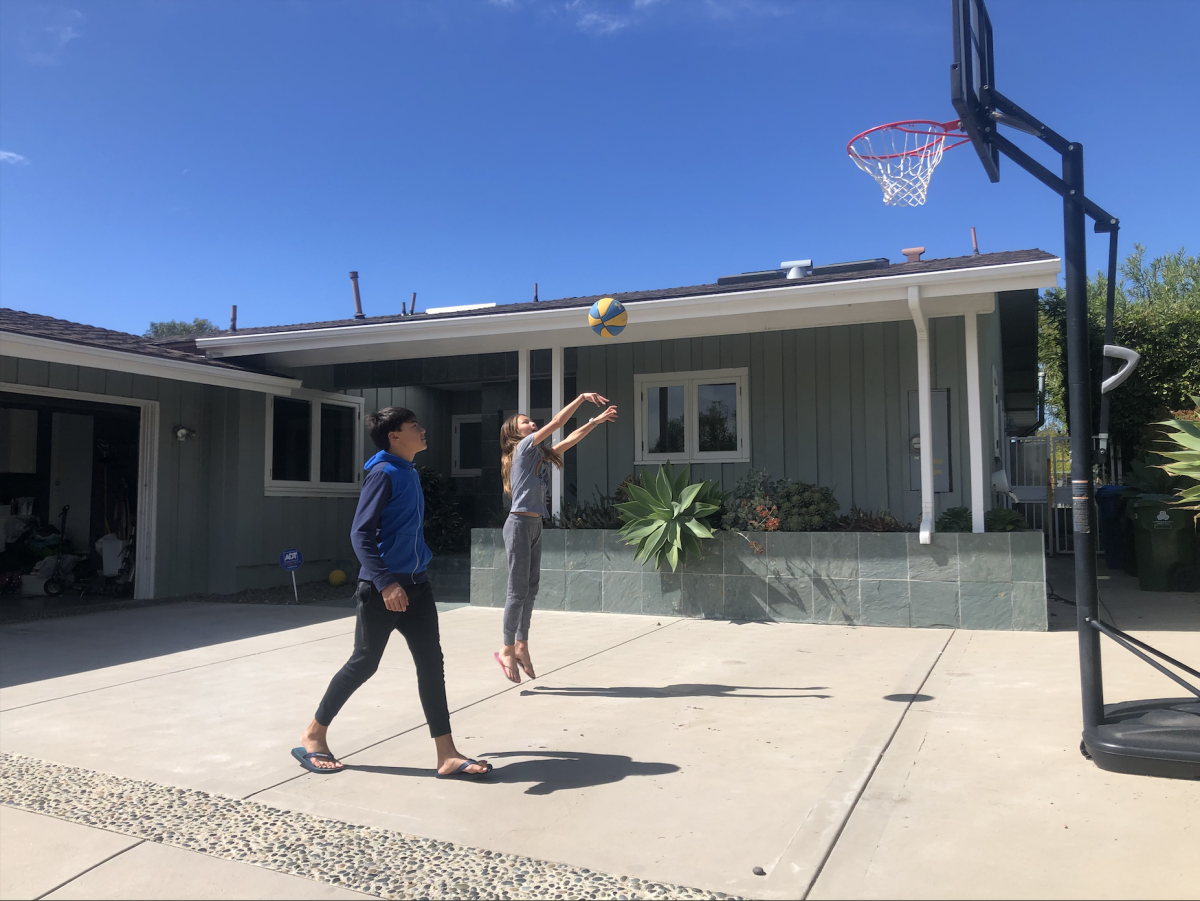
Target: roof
[
  {"x": 60, "y": 340},
  {"x": 39, "y": 326},
  {"x": 633, "y": 297}
]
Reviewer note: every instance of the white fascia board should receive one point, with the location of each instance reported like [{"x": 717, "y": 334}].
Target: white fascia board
[
  {"x": 960, "y": 291},
  {"x": 31, "y": 347}
]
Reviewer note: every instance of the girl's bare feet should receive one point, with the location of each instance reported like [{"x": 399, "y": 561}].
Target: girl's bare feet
[
  {"x": 521, "y": 652},
  {"x": 313, "y": 739},
  {"x": 508, "y": 662}
]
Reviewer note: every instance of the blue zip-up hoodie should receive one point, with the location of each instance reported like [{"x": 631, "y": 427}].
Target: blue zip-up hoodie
[{"x": 388, "y": 533}]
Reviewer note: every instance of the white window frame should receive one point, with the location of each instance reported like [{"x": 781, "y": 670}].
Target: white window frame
[
  {"x": 457, "y": 420},
  {"x": 691, "y": 418},
  {"x": 313, "y": 488}
]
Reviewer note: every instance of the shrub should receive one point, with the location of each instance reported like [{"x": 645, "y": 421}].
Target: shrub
[
  {"x": 865, "y": 521},
  {"x": 761, "y": 505},
  {"x": 955, "y": 519},
  {"x": 1184, "y": 456},
  {"x": 1001, "y": 519},
  {"x": 444, "y": 528}
]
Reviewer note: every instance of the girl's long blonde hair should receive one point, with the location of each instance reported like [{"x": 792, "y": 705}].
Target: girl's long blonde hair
[{"x": 510, "y": 437}]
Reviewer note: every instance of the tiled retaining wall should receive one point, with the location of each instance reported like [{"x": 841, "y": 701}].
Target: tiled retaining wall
[{"x": 962, "y": 580}]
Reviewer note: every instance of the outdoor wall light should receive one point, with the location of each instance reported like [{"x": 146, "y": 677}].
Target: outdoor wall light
[{"x": 182, "y": 433}]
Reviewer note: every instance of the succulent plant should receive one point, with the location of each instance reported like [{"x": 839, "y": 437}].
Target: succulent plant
[{"x": 666, "y": 517}]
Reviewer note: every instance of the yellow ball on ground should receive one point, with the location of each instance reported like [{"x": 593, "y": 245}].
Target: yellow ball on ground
[{"x": 337, "y": 577}]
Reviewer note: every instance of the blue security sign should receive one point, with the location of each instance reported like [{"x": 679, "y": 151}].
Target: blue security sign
[{"x": 291, "y": 559}]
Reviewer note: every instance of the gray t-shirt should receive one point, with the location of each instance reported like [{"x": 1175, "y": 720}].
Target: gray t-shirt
[{"x": 529, "y": 477}]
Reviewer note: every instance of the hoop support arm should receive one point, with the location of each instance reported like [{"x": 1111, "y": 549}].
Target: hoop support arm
[
  {"x": 1104, "y": 221},
  {"x": 1029, "y": 123}
]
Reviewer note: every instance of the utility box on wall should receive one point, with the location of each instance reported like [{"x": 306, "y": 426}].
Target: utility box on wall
[{"x": 939, "y": 401}]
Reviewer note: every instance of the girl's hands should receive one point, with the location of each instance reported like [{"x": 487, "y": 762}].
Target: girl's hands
[
  {"x": 593, "y": 398},
  {"x": 609, "y": 415}
]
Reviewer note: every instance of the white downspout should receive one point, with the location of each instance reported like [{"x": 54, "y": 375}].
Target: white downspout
[
  {"x": 975, "y": 421},
  {"x": 556, "y": 404},
  {"x": 926, "y": 413}
]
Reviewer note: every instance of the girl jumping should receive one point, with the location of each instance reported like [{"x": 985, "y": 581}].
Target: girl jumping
[{"x": 525, "y": 465}]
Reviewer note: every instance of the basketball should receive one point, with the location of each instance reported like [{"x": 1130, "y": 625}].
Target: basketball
[
  {"x": 607, "y": 317},
  {"x": 337, "y": 577}
]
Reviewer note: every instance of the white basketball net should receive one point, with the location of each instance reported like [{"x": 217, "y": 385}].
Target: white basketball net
[{"x": 901, "y": 157}]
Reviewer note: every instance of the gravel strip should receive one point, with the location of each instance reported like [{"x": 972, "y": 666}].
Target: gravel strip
[{"x": 361, "y": 858}]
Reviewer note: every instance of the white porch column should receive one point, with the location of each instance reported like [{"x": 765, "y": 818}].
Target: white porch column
[
  {"x": 926, "y": 413},
  {"x": 556, "y": 404},
  {"x": 523, "y": 381},
  {"x": 975, "y": 422}
]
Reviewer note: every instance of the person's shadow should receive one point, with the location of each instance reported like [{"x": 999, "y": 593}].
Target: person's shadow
[
  {"x": 550, "y": 771},
  {"x": 676, "y": 691}
]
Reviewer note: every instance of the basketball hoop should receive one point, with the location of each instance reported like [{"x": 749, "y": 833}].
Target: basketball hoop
[{"x": 901, "y": 156}]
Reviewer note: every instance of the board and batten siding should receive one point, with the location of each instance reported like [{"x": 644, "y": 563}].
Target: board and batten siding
[
  {"x": 216, "y": 531},
  {"x": 828, "y": 406}
]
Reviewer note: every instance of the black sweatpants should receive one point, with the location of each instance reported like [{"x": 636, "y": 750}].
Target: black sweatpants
[{"x": 419, "y": 626}]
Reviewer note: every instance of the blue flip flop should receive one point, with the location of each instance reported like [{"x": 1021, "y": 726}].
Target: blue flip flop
[
  {"x": 461, "y": 772},
  {"x": 305, "y": 758}
]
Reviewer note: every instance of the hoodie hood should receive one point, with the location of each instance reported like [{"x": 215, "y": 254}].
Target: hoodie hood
[{"x": 385, "y": 457}]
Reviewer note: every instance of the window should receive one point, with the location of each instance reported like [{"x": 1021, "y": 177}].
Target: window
[
  {"x": 467, "y": 450},
  {"x": 314, "y": 444},
  {"x": 692, "y": 417}
]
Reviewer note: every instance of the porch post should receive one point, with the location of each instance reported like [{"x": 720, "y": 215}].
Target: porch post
[
  {"x": 926, "y": 413},
  {"x": 523, "y": 381},
  {"x": 975, "y": 422},
  {"x": 556, "y": 404}
]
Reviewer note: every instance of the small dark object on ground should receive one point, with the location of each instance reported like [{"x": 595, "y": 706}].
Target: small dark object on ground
[{"x": 759, "y": 871}]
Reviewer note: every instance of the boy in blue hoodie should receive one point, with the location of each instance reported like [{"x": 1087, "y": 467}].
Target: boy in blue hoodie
[{"x": 393, "y": 593}]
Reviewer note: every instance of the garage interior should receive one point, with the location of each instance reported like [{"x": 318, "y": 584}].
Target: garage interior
[{"x": 58, "y": 453}]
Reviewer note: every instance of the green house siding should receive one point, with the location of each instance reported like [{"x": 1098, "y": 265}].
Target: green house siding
[
  {"x": 828, "y": 405},
  {"x": 216, "y": 532}
]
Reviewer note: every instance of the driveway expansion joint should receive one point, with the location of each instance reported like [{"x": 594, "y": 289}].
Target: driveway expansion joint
[{"x": 380, "y": 862}]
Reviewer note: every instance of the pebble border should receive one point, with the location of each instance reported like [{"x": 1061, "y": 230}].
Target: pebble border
[{"x": 379, "y": 862}]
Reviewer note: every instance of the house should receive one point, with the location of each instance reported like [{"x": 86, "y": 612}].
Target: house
[{"x": 893, "y": 383}]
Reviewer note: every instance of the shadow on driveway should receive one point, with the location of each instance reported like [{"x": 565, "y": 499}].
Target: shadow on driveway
[
  {"x": 30, "y": 652},
  {"x": 550, "y": 771},
  {"x": 685, "y": 690}
]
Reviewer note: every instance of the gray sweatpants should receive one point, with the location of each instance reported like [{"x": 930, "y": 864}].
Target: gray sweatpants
[{"x": 523, "y": 546}]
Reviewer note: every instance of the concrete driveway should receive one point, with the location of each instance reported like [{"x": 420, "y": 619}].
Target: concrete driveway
[{"x": 843, "y": 762}]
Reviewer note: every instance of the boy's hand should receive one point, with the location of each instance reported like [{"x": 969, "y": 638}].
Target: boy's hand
[
  {"x": 395, "y": 598},
  {"x": 593, "y": 398}
]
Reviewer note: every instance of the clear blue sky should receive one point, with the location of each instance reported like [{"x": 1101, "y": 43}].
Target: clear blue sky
[{"x": 164, "y": 160}]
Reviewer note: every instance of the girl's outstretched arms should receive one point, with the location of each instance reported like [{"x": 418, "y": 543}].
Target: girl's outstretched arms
[
  {"x": 563, "y": 415},
  {"x": 580, "y": 433}
]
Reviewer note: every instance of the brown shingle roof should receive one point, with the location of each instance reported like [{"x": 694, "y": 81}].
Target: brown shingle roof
[
  {"x": 39, "y": 326},
  {"x": 627, "y": 297}
]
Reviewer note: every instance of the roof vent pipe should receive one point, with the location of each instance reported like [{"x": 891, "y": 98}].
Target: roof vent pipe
[
  {"x": 974, "y": 241},
  {"x": 535, "y": 297},
  {"x": 233, "y": 318},
  {"x": 412, "y": 307},
  {"x": 358, "y": 313},
  {"x": 797, "y": 268},
  {"x": 913, "y": 254}
]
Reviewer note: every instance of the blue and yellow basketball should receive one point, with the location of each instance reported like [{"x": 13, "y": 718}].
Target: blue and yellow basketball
[{"x": 607, "y": 317}]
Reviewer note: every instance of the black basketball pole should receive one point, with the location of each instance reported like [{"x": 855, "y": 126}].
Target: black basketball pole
[
  {"x": 1080, "y": 382},
  {"x": 1110, "y": 300}
]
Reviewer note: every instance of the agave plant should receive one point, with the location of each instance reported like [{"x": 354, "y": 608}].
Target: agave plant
[
  {"x": 1185, "y": 458},
  {"x": 666, "y": 517}
]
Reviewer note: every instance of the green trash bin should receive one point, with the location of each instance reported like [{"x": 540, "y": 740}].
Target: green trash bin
[{"x": 1165, "y": 538}]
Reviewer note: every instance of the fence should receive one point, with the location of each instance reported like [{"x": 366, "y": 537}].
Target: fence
[{"x": 1039, "y": 474}]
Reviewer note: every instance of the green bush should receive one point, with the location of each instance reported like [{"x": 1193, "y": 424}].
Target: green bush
[
  {"x": 1184, "y": 457},
  {"x": 445, "y": 532},
  {"x": 668, "y": 518},
  {"x": 1001, "y": 519},
  {"x": 865, "y": 521},
  {"x": 955, "y": 519},
  {"x": 762, "y": 505}
]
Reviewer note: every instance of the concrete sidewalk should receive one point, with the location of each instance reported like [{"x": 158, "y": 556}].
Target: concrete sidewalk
[{"x": 845, "y": 762}]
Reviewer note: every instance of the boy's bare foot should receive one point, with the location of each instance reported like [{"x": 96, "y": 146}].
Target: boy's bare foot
[
  {"x": 313, "y": 740},
  {"x": 521, "y": 652},
  {"x": 449, "y": 758}
]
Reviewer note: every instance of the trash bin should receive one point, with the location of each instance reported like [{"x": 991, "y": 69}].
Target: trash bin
[
  {"x": 1165, "y": 538},
  {"x": 1108, "y": 500},
  {"x": 1129, "y": 538}
]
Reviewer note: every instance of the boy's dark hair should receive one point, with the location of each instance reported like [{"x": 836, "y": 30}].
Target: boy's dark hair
[{"x": 389, "y": 419}]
